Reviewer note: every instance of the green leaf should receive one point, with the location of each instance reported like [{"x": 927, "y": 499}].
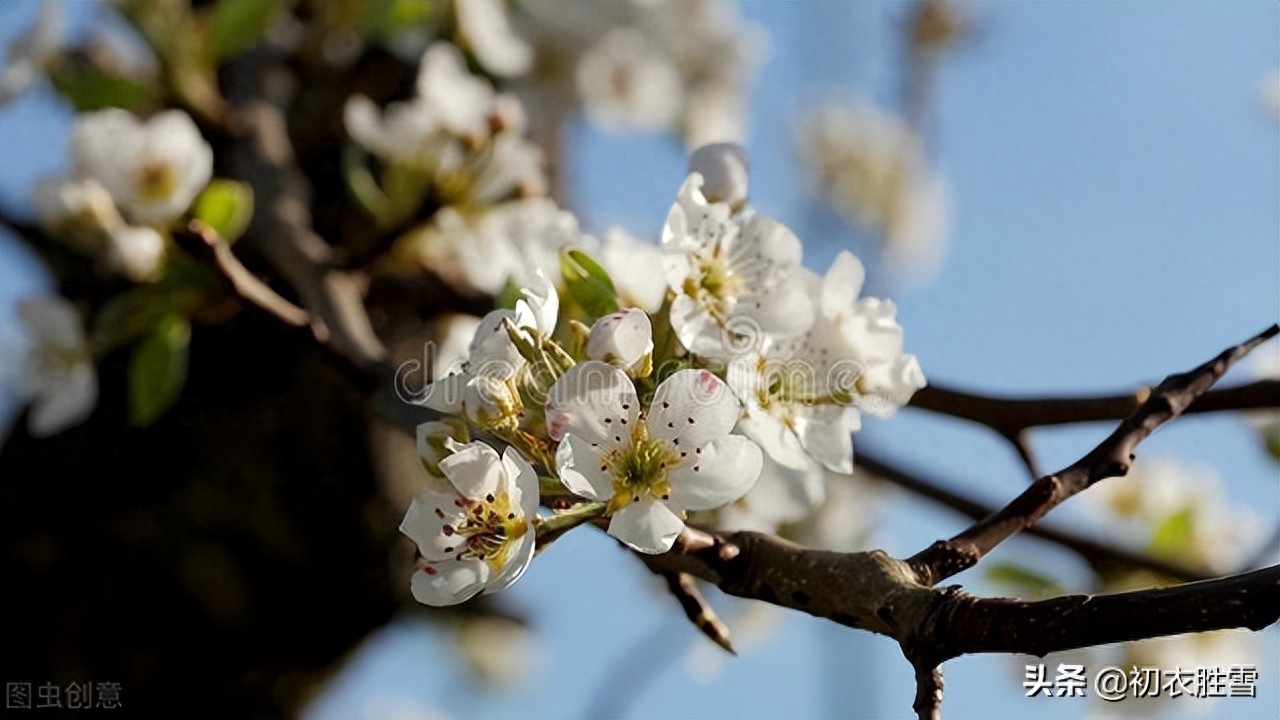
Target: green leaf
[
  {"x": 236, "y": 25},
  {"x": 383, "y": 17},
  {"x": 506, "y": 299},
  {"x": 158, "y": 370},
  {"x": 129, "y": 315},
  {"x": 588, "y": 283},
  {"x": 1172, "y": 534},
  {"x": 226, "y": 206},
  {"x": 90, "y": 88},
  {"x": 1023, "y": 578}
]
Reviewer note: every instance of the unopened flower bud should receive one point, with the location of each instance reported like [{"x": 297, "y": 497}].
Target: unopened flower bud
[{"x": 623, "y": 339}]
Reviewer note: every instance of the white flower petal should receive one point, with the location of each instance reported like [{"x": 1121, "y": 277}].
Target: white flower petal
[
  {"x": 488, "y": 31},
  {"x": 594, "y": 401},
  {"x": 724, "y": 168},
  {"x": 66, "y": 404},
  {"x": 425, "y": 521},
  {"x": 890, "y": 385},
  {"x": 522, "y": 475},
  {"x": 51, "y": 320},
  {"x": 842, "y": 284},
  {"x": 724, "y": 470},
  {"x": 446, "y": 394},
  {"x": 647, "y": 526},
  {"x": 827, "y": 436},
  {"x": 521, "y": 555},
  {"x": 694, "y": 406},
  {"x": 474, "y": 469},
  {"x": 539, "y": 305},
  {"x": 459, "y": 99},
  {"x": 769, "y": 432},
  {"x": 453, "y": 582},
  {"x": 697, "y": 330},
  {"x": 580, "y": 468}
]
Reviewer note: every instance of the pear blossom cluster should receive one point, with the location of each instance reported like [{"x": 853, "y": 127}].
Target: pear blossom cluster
[
  {"x": 1178, "y": 510},
  {"x": 456, "y": 138},
  {"x": 681, "y": 66},
  {"x": 131, "y": 179},
  {"x": 728, "y": 395}
]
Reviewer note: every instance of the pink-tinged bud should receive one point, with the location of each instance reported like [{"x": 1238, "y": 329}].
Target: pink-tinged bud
[{"x": 623, "y": 339}]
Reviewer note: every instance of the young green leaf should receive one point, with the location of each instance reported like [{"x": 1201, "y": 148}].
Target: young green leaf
[
  {"x": 227, "y": 207},
  {"x": 588, "y": 283},
  {"x": 158, "y": 370}
]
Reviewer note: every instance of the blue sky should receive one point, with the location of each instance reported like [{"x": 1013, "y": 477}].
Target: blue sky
[{"x": 1115, "y": 189}]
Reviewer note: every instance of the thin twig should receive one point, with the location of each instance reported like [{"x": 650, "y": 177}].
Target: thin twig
[
  {"x": 685, "y": 589},
  {"x": 1110, "y": 458},
  {"x": 204, "y": 243}
]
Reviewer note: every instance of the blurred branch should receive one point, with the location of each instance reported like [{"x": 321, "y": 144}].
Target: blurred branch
[
  {"x": 204, "y": 243},
  {"x": 1011, "y": 416},
  {"x": 1099, "y": 555},
  {"x": 1110, "y": 458}
]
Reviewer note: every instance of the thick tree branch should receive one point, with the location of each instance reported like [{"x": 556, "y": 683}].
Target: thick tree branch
[
  {"x": 1110, "y": 458},
  {"x": 1099, "y": 555},
  {"x": 966, "y": 624}
]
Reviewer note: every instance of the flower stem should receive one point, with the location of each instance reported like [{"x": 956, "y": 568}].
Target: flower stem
[{"x": 550, "y": 529}]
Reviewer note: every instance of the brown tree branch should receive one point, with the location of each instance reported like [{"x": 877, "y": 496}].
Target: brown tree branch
[
  {"x": 1010, "y": 416},
  {"x": 204, "y": 243},
  {"x": 1099, "y": 555},
  {"x": 1110, "y": 458},
  {"x": 977, "y": 625}
]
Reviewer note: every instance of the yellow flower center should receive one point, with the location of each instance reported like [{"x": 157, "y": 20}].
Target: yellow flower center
[
  {"x": 489, "y": 532},
  {"x": 640, "y": 469},
  {"x": 157, "y": 180}
]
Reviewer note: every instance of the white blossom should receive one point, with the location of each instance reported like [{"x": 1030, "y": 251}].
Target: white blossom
[
  {"x": 870, "y": 167},
  {"x": 456, "y": 129},
  {"x": 484, "y": 387},
  {"x": 510, "y": 242},
  {"x": 80, "y": 211},
  {"x": 782, "y": 496},
  {"x": 650, "y": 467},
  {"x": 627, "y": 82},
  {"x": 137, "y": 252},
  {"x": 735, "y": 275},
  {"x": 803, "y": 398},
  {"x": 623, "y": 339},
  {"x": 1179, "y": 511},
  {"x": 480, "y": 537},
  {"x": 724, "y": 170},
  {"x": 486, "y": 27},
  {"x": 58, "y": 376},
  {"x": 152, "y": 169}
]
